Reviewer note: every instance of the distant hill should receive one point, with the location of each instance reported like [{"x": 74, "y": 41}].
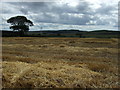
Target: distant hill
[{"x": 67, "y": 33}]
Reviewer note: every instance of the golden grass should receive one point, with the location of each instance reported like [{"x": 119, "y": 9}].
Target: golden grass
[
  {"x": 34, "y": 62},
  {"x": 43, "y": 74}
]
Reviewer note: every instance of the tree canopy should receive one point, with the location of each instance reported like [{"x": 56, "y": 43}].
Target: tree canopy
[{"x": 20, "y": 23}]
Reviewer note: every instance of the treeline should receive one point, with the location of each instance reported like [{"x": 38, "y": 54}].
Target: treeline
[{"x": 65, "y": 33}]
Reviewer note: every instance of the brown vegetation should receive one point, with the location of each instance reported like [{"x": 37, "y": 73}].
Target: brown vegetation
[{"x": 34, "y": 62}]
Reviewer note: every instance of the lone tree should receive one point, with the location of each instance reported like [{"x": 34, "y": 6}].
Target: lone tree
[{"x": 20, "y": 24}]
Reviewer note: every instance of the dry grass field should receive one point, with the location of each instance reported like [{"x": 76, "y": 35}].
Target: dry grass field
[{"x": 34, "y": 62}]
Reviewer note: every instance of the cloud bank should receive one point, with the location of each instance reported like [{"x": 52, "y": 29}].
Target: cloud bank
[{"x": 69, "y": 13}]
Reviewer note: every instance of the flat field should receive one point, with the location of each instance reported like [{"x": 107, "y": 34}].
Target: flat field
[{"x": 34, "y": 62}]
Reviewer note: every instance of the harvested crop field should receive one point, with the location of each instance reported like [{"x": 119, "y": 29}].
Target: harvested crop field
[{"x": 34, "y": 62}]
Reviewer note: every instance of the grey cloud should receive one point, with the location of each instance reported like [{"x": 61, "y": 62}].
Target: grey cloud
[
  {"x": 50, "y": 12},
  {"x": 106, "y": 9},
  {"x": 7, "y": 8},
  {"x": 24, "y": 11},
  {"x": 35, "y": 7},
  {"x": 68, "y": 19},
  {"x": 63, "y": 18},
  {"x": 53, "y": 7},
  {"x": 84, "y": 8}
]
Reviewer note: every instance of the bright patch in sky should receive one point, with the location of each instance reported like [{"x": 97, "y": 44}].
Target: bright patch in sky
[{"x": 73, "y": 4}]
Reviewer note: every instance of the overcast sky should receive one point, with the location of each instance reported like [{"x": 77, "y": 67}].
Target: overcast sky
[{"x": 64, "y": 14}]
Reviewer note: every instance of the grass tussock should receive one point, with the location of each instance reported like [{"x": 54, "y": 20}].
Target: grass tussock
[{"x": 33, "y": 62}]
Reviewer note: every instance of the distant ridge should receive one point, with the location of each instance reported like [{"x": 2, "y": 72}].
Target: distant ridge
[{"x": 66, "y": 33}]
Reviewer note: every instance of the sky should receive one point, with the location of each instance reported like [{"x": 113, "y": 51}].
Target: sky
[{"x": 62, "y": 14}]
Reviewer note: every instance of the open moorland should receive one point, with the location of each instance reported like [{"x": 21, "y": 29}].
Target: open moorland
[{"x": 36, "y": 62}]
